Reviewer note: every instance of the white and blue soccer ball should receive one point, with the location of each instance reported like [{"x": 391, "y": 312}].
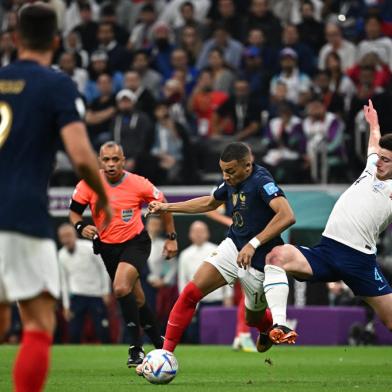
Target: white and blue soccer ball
[{"x": 159, "y": 367}]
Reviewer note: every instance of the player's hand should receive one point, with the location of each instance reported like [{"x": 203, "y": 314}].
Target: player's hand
[
  {"x": 89, "y": 232},
  {"x": 156, "y": 206},
  {"x": 104, "y": 207},
  {"x": 170, "y": 249},
  {"x": 371, "y": 115},
  {"x": 245, "y": 256}
]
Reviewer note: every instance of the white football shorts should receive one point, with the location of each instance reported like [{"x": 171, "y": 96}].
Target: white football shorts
[
  {"x": 28, "y": 267},
  {"x": 224, "y": 259}
]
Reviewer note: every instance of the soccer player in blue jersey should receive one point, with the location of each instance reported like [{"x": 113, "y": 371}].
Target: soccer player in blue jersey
[
  {"x": 39, "y": 107},
  {"x": 347, "y": 250},
  {"x": 260, "y": 213}
]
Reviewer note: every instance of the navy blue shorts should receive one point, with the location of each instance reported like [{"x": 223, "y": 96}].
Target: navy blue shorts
[{"x": 332, "y": 261}]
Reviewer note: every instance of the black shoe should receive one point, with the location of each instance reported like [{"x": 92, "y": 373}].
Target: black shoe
[
  {"x": 263, "y": 343},
  {"x": 135, "y": 356},
  {"x": 282, "y": 334}
]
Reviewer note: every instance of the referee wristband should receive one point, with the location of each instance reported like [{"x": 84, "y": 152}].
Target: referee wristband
[
  {"x": 255, "y": 242},
  {"x": 79, "y": 226}
]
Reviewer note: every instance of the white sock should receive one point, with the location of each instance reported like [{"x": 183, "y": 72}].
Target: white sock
[{"x": 276, "y": 289}]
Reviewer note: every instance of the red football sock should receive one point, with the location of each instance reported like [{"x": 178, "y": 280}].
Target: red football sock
[
  {"x": 241, "y": 327},
  {"x": 181, "y": 315},
  {"x": 265, "y": 323},
  {"x": 32, "y": 362}
]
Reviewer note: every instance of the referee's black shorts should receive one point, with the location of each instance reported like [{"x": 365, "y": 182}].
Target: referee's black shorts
[{"x": 134, "y": 251}]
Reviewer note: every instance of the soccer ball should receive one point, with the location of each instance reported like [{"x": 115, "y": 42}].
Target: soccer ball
[{"x": 159, "y": 367}]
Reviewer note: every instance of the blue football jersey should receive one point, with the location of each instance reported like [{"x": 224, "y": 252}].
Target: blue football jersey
[
  {"x": 251, "y": 213},
  {"x": 35, "y": 103}
]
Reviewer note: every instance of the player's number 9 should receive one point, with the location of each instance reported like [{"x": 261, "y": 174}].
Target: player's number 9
[{"x": 5, "y": 121}]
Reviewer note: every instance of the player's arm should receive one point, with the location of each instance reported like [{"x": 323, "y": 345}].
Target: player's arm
[
  {"x": 374, "y": 128},
  {"x": 170, "y": 248},
  {"x": 192, "y": 206},
  {"x": 283, "y": 218},
  {"x": 79, "y": 149}
]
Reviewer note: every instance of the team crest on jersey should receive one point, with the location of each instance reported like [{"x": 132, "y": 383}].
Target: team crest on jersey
[
  {"x": 126, "y": 215},
  {"x": 234, "y": 198}
]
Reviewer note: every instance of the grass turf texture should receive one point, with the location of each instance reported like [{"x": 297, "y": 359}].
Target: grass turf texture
[{"x": 218, "y": 368}]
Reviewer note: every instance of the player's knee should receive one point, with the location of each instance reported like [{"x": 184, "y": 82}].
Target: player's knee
[
  {"x": 276, "y": 256},
  {"x": 121, "y": 290},
  {"x": 140, "y": 300}
]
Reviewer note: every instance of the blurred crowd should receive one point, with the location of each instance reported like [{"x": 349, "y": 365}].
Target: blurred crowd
[{"x": 175, "y": 80}]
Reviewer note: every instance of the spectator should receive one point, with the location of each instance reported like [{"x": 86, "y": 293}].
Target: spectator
[
  {"x": 172, "y": 148},
  {"x": 256, "y": 74},
  {"x": 326, "y": 145},
  {"x": 108, "y": 15},
  {"x": 171, "y": 14},
  {"x": 179, "y": 62},
  {"x": 278, "y": 96},
  {"x": 134, "y": 131},
  {"x": 142, "y": 33},
  {"x": 150, "y": 79},
  {"x": 261, "y": 17},
  {"x": 101, "y": 111},
  {"x": 162, "y": 291},
  {"x": 187, "y": 10},
  {"x": 118, "y": 57},
  {"x": 204, "y": 101},
  {"x": 162, "y": 49},
  {"x": 298, "y": 84},
  {"x": 174, "y": 96},
  {"x": 239, "y": 115},
  {"x": 7, "y": 49},
  {"x": 340, "y": 83},
  {"x": 73, "y": 13},
  {"x": 99, "y": 65},
  {"x": 191, "y": 42},
  {"x": 222, "y": 75},
  {"x": 256, "y": 38},
  {"x": 333, "y": 101},
  {"x": 145, "y": 101},
  {"x": 311, "y": 31},
  {"x": 232, "y": 49},
  {"x": 229, "y": 17},
  {"x": 189, "y": 261},
  {"x": 73, "y": 44},
  {"x": 67, "y": 64},
  {"x": 375, "y": 42},
  {"x": 305, "y": 57},
  {"x": 286, "y": 144},
  {"x": 124, "y": 12},
  {"x": 336, "y": 43},
  {"x": 87, "y": 28},
  {"x": 382, "y": 76},
  {"x": 85, "y": 285}
]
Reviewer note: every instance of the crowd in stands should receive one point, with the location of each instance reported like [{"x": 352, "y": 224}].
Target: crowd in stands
[{"x": 173, "y": 81}]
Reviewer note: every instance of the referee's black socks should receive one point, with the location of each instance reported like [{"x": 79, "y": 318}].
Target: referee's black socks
[
  {"x": 130, "y": 312},
  {"x": 150, "y": 325}
]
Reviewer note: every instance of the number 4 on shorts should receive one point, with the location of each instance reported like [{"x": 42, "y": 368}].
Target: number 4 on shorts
[{"x": 377, "y": 275}]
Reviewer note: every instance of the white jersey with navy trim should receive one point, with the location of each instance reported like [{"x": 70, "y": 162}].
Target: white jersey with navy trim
[{"x": 362, "y": 212}]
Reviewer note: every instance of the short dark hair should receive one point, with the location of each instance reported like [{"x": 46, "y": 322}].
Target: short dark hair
[
  {"x": 386, "y": 141},
  {"x": 37, "y": 26},
  {"x": 235, "y": 151}
]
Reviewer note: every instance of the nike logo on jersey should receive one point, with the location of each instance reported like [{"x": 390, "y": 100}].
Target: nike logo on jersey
[{"x": 383, "y": 287}]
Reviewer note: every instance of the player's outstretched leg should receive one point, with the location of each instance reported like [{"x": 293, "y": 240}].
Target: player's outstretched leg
[
  {"x": 276, "y": 290},
  {"x": 181, "y": 315}
]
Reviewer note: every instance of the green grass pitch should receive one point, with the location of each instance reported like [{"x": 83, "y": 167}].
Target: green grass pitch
[{"x": 218, "y": 368}]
